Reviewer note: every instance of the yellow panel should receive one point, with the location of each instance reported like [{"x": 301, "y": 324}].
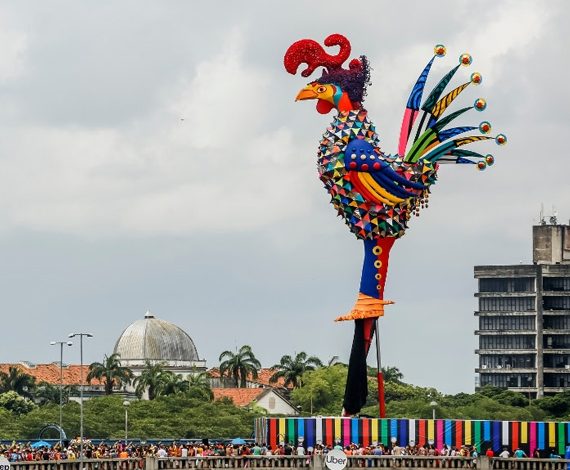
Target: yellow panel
[
  {"x": 524, "y": 430},
  {"x": 374, "y": 433},
  {"x": 552, "y": 434},
  {"x": 467, "y": 431},
  {"x": 281, "y": 430},
  {"x": 430, "y": 430},
  {"x": 337, "y": 428}
]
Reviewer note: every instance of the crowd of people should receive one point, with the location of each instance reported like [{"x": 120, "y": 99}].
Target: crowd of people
[{"x": 15, "y": 452}]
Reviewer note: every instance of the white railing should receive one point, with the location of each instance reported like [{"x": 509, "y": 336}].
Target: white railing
[
  {"x": 250, "y": 461},
  {"x": 87, "y": 464},
  {"x": 529, "y": 464},
  {"x": 400, "y": 462}
]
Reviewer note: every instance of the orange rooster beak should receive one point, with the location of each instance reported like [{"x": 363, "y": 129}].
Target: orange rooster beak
[{"x": 307, "y": 93}]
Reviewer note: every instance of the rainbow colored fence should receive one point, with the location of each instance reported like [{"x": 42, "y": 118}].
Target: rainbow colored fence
[{"x": 482, "y": 434}]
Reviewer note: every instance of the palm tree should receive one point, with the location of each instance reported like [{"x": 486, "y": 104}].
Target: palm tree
[
  {"x": 292, "y": 370},
  {"x": 151, "y": 379},
  {"x": 392, "y": 374},
  {"x": 110, "y": 372},
  {"x": 333, "y": 361},
  {"x": 172, "y": 384},
  {"x": 18, "y": 381},
  {"x": 201, "y": 379},
  {"x": 240, "y": 365},
  {"x": 45, "y": 393},
  {"x": 199, "y": 384}
]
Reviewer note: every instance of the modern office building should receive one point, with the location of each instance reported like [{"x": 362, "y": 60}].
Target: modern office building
[{"x": 524, "y": 318}]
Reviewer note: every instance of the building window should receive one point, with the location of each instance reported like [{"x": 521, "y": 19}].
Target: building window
[
  {"x": 556, "y": 380},
  {"x": 521, "y": 284},
  {"x": 271, "y": 404},
  {"x": 556, "y": 283},
  {"x": 557, "y": 342},
  {"x": 506, "y": 323},
  {"x": 507, "y": 342},
  {"x": 556, "y": 303},
  {"x": 507, "y": 304},
  {"x": 518, "y": 361},
  {"x": 508, "y": 380},
  {"x": 556, "y": 322},
  {"x": 559, "y": 361}
]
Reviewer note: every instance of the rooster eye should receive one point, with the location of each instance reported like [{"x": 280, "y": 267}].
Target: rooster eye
[{"x": 321, "y": 89}]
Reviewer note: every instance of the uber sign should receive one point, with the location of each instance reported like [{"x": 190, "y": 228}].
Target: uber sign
[
  {"x": 4, "y": 464},
  {"x": 336, "y": 459}
]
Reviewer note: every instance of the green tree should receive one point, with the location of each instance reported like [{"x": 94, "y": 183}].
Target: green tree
[
  {"x": 172, "y": 384},
  {"x": 322, "y": 391},
  {"x": 110, "y": 372},
  {"x": 45, "y": 393},
  {"x": 392, "y": 374},
  {"x": 333, "y": 361},
  {"x": 15, "y": 403},
  {"x": 291, "y": 370},
  {"x": 199, "y": 386},
  {"x": 239, "y": 365},
  {"x": 18, "y": 381},
  {"x": 151, "y": 379}
]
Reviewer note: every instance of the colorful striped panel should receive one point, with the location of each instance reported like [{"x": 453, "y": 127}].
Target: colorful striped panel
[
  {"x": 374, "y": 434},
  {"x": 365, "y": 431},
  {"x": 532, "y": 438},
  {"x": 385, "y": 438},
  {"x": 439, "y": 433},
  {"x": 477, "y": 431}
]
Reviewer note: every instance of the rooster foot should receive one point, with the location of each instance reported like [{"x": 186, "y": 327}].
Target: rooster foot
[{"x": 366, "y": 307}]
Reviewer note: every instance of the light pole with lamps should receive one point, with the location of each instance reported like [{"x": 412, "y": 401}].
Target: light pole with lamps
[
  {"x": 126, "y": 404},
  {"x": 81, "y": 335},
  {"x": 433, "y": 404},
  {"x": 61, "y": 345}
]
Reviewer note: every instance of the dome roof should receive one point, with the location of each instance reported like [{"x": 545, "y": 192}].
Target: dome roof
[{"x": 156, "y": 340}]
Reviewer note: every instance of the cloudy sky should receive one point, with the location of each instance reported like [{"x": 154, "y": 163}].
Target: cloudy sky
[{"x": 152, "y": 156}]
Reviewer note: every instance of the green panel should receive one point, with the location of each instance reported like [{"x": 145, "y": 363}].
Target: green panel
[
  {"x": 384, "y": 437},
  {"x": 291, "y": 430},
  {"x": 561, "y": 439},
  {"x": 477, "y": 435}
]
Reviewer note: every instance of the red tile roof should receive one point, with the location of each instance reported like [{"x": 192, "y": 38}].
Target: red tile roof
[
  {"x": 50, "y": 373},
  {"x": 240, "y": 396},
  {"x": 263, "y": 376}
]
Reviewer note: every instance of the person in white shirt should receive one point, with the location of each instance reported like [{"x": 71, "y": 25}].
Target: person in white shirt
[{"x": 505, "y": 454}]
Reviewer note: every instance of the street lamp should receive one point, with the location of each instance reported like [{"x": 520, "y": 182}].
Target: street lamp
[
  {"x": 433, "y": 404},
  {"x": 126, "y": 404},
  {"x": 61, "y": 345},
  {"x": 81, "y": 335}
]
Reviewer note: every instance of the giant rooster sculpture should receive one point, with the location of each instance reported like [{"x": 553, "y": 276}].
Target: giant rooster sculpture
[{"x": 374, "y": 192}]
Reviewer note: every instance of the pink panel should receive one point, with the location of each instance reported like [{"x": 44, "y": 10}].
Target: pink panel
[
  {"x": 346, "y": 437},
  {"x": 532, "y": 438}
]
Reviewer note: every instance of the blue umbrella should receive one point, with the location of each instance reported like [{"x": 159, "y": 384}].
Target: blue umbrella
[
  {"x": 238, "y": 441},
  {"x": 35, "y": 445}
]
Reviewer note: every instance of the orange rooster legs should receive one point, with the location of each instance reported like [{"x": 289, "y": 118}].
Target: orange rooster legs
[{"x": 366, "y": 307}]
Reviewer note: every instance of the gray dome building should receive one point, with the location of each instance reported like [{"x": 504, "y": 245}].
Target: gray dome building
[{"x": 156, "y": 340}]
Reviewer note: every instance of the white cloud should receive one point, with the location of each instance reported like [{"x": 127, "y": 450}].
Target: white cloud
[
  {"x": 13, "y": 47},
  {"x": 200, "y": 161}
]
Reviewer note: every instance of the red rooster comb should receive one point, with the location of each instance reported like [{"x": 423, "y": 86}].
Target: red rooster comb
[
  {"x": 312, "y": 53},
  {"x": 352, "y": 80}
]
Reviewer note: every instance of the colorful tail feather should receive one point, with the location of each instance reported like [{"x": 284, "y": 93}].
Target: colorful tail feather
[{"x": 432, "y": 142}]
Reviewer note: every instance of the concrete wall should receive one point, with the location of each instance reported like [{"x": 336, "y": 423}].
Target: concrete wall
[{"x": 551, "y": 244}]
